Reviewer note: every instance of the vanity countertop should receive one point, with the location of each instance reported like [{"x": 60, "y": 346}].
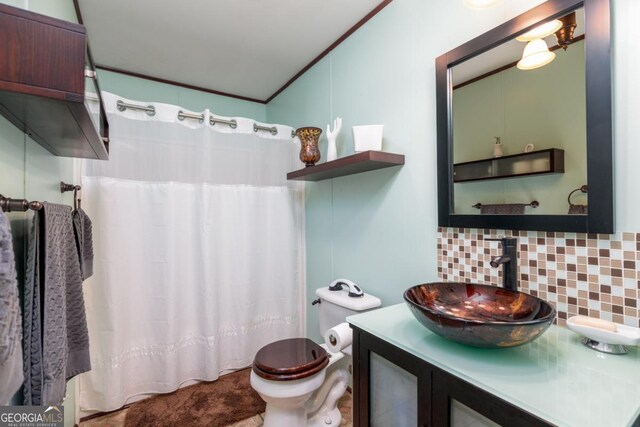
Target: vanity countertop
[{"x": 555, "y": 377}]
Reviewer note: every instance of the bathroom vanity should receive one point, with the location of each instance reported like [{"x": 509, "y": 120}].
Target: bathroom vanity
[{"x": 406, "y": 375}]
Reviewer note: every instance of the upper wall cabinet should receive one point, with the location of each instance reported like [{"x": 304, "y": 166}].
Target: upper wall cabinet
[
  {"x": 540, "y": 85},
  {"x": 48, "y": 85}
]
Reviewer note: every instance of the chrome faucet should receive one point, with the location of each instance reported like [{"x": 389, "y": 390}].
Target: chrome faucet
[{"x": 509, "y": 259}]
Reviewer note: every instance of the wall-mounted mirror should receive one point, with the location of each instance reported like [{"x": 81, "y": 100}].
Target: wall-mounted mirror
[{"x": 524, "y": 123}]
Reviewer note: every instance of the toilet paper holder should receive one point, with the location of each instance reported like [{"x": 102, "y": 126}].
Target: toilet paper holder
[
  {"x": 339, "y": 337},
  {"x": 332, "y": 339}
]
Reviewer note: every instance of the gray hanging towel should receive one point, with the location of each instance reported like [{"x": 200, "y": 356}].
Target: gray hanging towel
[
  {"x": 504, "y": 209},
  {"x": 53, "y": 272},
  {"x": 32, "y": 320},
  {"x": 84, "y": 241},
  {"x": 10, "y": 323},
  {"x": 578, "y": 209},
  {"x": 78, "y": 360}
]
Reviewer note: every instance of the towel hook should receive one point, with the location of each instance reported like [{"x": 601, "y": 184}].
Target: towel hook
[
  {"x": 583, "y": 189},
  {"x": 64, "y": 187}
]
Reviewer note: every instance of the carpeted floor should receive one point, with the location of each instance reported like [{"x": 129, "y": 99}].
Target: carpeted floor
[
  {"x": 219, "y": 403},
  {"x": 228, "y": 395}
]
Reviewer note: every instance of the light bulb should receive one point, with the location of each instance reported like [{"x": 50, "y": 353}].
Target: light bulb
[
  {"x": 536, "y": 54},
  {"x": 541, "y": 31}
]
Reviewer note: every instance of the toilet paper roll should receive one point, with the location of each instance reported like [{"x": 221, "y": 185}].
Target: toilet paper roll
[{"x": 338, "y": 337}]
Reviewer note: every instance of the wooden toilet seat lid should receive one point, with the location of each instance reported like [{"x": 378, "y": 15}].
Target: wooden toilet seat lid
[{"x": 290, "y": 359}]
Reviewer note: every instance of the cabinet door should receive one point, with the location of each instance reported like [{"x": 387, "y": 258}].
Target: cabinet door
[
  {"x": 457, "y": 403},
  {"x": 92, "y": 99},
  {"x": 390, "y": 386},
  {"x": 393, "y": 394},
  {"x": 460, "y": 415}
]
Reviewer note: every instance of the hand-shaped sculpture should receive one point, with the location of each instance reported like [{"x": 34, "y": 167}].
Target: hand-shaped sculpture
[{"x": 332, "y": 135}]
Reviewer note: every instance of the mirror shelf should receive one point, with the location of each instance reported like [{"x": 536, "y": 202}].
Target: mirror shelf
[{"x": 538, "y": 162}]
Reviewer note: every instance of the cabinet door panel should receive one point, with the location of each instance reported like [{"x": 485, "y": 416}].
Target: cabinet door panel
[
  {"x": 390, "y": 387},
  {"x": 393, "y": 394},
  {"x": 457, "y": 403},
  {"x": 463, "y": 416}
]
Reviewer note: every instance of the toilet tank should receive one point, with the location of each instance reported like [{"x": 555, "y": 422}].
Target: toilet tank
[{"x": 336, "y": 306}]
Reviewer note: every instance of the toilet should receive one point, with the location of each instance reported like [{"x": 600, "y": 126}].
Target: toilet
[{"x": 301, "y": 381}]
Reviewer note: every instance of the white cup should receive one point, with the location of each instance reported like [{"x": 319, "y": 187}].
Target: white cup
[{"x": 367, "y": 138}]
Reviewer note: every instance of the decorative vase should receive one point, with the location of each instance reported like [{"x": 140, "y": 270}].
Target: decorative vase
[{"x": 309, "y": 151}]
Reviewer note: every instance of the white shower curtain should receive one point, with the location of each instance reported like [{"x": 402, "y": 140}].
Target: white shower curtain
[{"x": 199, "y": 251}]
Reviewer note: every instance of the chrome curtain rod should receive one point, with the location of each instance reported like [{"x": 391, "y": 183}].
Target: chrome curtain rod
[
  {"x": 533, "y": 204},
  {"x": 150, "y": 109},
  {"x": 272, "y": 129},
  {"x": 18, "y": 205},
  {"x": 232, "y": 123},
  {"x": 182, "y": 115}
]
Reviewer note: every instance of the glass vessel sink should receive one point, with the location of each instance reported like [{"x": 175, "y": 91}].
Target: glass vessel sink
[{"x": 479, "y": 315}]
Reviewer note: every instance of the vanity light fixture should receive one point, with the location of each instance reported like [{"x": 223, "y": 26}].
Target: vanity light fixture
[
  {"x": 564, "y": 34},
  {"x": 536, "y": 54},
  {"x": 480, "y": 4},
  {"x": 541, "y": 31}
]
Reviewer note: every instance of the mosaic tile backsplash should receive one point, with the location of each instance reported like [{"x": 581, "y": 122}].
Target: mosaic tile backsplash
[{"x": 590, "y": 274}]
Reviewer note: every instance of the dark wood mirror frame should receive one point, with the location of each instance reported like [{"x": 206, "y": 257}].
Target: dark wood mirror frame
[{"x": 600, "y": 218}]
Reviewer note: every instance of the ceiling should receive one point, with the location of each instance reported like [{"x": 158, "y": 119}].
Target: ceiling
[{"x": 248, "y": 48}]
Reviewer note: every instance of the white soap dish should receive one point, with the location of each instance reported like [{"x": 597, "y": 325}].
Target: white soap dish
[{"x": 604, "y": 336}]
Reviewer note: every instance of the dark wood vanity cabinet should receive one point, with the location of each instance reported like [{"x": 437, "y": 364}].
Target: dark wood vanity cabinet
[
  {"x": 435, "y": 399},
  {"x": 48, "y": 86}
]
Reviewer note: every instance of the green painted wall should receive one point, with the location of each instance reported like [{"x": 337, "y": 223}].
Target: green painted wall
[
  {"x": 545, "y": 107},
  {"x": 377, "y": 228},
  {"x": 380, "y": 228},
  {"x": 147, "y": 90}
]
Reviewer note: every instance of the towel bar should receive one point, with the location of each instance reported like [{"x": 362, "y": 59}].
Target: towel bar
[
  {"x": 18, "y": 205},
  {"x": 533, "y": 204}
]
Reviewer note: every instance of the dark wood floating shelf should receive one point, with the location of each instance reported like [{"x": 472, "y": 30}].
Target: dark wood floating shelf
[
  {"x": 516, "y": 165},
  {"x": 356, "y": 163}
]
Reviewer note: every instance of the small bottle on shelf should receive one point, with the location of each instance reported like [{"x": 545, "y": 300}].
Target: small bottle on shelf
[{"x": 497, "y": 147}]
